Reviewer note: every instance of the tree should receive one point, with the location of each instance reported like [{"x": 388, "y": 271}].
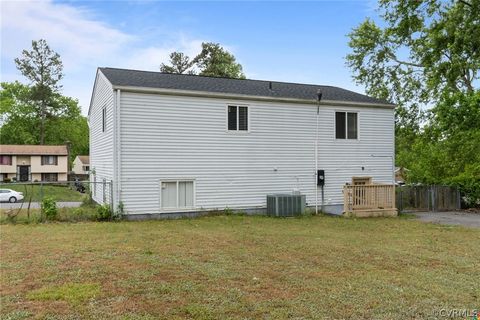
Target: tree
[
  {"x": 213, "y": 61},
  {"x": 426, "y": 59},
  {"x": 180, "y": 63},
  {"x": 425, "y": 49},
  {"x": 43, "y": 67},
  {"x": 21, "y": 119}
]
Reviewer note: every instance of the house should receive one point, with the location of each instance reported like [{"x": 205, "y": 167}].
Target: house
[
  {"x": 171, "y": 143},
  {"x": 33, "y": 162},
  {"x": 400, "y": 175},
  {"x": 81, "y": 165}
]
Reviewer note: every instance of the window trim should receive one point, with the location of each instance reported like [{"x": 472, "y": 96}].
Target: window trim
[
  {"x": 346, "y": 125},
  {"x": 237, "y": 131},
  {"x": 177, "y": 209}
]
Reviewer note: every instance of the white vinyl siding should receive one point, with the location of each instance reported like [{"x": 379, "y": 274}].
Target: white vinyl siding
[
  {"x": 164, "y": 137},
  {"x": 101, "y": 138}
]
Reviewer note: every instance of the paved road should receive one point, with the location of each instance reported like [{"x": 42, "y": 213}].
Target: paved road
[
  {"x": 451, "y": 218},
  {"x": 36, "y": 205}
]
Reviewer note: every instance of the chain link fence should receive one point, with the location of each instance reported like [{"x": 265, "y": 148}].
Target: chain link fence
[{"x": 65, "y": 193}]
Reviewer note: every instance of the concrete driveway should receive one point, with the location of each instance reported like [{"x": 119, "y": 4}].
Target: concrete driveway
[
  {"x": 36, "y": 205},
  {"x": 466, "y": 219}
]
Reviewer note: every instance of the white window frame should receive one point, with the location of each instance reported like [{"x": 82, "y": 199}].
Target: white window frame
[
  {"x": 237, "y": 131},
  {"x": 346, "y": 125},
  {"x": 177, "y": 208}
]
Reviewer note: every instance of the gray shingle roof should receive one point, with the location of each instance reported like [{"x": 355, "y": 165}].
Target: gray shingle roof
[{"x": 261, "y": 88}]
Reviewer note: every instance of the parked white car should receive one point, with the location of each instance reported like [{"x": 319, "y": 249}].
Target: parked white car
[{"x": 10, "y": 195}]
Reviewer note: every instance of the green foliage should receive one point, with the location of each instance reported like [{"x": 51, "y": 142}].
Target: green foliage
[
  {"x": 425, "y": 59},
  {"x": 215, "y": 61},
  {"x": 227, "y": 211},
  {"x": 37, "y": 113},
  {"x": 180, "y": 63},
  {"x": 49, "y": 208},
  {"x": 212, "y": 61},
  {"x": 120, "y": 209},
  {"x": 104, "y": 212},
  {"x": 22, "y": 118}
]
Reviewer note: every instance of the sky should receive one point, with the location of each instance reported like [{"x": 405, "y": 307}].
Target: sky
[{"x": 280, "y": 41}]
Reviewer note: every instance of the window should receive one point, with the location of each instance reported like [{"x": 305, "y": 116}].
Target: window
[
  {"x": 104, "y": 119},
  {"x": 49, "y": 160},
  {"x": 237, "y": 118},
  {"x": 6, "y": 160},
  {"x": 86, "y": 168},
  {"x": 346, "y": 125},
  {"x": 50, "y": 177},
  {"x": 177, "y": 194}
]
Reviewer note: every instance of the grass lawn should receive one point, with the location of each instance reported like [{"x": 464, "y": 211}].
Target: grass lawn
[
  {"x": 58, "y": 193},
  {"x": 238, "y": 267}
]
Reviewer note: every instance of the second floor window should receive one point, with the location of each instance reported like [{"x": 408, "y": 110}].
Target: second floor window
[
  {"x": 346, "y": 125},
  {"x": 6, "y": 160},
  {"x": 104, "y": 119},
  {"x": 49, "y": 160},
  {"x": 237, "y": 118}
]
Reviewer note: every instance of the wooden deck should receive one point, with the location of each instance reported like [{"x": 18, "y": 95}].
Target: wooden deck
[{"x": 372, "y": 200}]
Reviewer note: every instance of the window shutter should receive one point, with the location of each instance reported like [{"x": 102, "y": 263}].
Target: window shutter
[
  {"x": 43, "y": 161},
  {"x": 56, "y": 160}
]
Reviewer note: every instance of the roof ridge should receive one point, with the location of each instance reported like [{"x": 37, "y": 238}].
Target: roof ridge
[{"x": 213, "y": 77}]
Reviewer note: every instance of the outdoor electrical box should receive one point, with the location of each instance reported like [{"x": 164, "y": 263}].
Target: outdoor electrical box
[{"x": 320, "y": 177}]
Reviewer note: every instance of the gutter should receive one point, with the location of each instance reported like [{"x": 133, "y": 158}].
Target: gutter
[{"x": 205, "y": 94}]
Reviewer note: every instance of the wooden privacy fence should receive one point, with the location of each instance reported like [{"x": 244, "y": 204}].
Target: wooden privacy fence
[
  {"x": 427, "y": 198},
  {"x": 369, "y": 200}
]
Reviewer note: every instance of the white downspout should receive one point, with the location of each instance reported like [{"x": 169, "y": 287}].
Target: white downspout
[{"x": 118, "y": 152}]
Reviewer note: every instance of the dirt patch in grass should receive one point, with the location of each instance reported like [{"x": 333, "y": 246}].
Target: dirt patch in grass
[{"x": 238, "y": 267}]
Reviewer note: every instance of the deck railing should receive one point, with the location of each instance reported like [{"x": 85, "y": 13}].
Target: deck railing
[{"x": 372, "y": 197}]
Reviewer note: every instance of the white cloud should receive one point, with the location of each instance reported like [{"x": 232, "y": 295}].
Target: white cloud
[
  {"x": 83, "y": 41},
  {"x": 70, "y": 30}
]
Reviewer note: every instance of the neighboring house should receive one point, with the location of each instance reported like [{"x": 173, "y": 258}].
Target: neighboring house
[
  {"x": 81, "y": 165},
  {"x": 33, "y": 162},
  {"x": 400, "y": 174},
  {"x": 179, "y": 143}
]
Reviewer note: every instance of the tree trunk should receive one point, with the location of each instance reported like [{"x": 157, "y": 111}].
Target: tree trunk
[{"x": 42, "y": 124}]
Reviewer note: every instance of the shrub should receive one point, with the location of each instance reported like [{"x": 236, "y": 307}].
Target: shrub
[
  {"x": 81, "y": 214},
  {"x": 227, "y": 211},
  {"x": 104, "y": 212},
  {"x": 49, "y": 208},
  {"x": 7, "y": 180},
  {"x": 88, "y": 200}
]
